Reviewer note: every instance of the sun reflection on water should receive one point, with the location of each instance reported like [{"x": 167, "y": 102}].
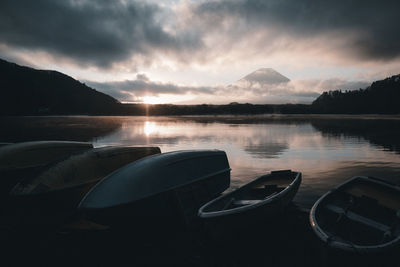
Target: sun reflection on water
[{"x": 150, "y": 128}]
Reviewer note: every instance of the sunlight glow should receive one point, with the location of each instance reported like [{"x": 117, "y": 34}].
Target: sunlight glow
[
  {"x": 152, "y": 100},
  {"x": 167, "y": 98},
  {"x": 149, "y": 128}
]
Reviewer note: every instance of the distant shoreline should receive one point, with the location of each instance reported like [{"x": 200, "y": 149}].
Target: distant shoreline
[
  {"x": 254, "y": 116},
  {"x": 202, "y": 110}
]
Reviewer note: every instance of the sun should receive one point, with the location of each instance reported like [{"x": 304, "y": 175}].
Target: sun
[
  {"x": 152, "y": 100},
  {"x": 166, "y": 98}
]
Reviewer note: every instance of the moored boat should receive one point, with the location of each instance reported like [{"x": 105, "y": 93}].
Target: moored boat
[
  {"x": 26, "y": 159},
  {"x": 62, "y": 186},
  {"x": 163, "y": 190},
  {"x": 38, "y": 153},
  {"x": 361, "y": 215},
  {"x": 260, "y": 199}
]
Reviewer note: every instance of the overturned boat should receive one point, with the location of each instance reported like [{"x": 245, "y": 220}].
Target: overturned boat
[
  {"x": 361, "y": 215},
  {"x": 22, "y": 160},
  {"x": 38, "y": 153},
  {"x": 260, "y": 199},
  {"x": 62, "y": 186},
  {"x": 162, "y": 190}
]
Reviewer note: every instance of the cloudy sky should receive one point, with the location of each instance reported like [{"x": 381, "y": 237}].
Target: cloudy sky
[{"x": 197, "y": 51}]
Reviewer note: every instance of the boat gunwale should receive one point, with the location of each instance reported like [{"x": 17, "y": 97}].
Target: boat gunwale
[
  {"x": 215, "y": 214},
  {"x": 349, "y": 246}
]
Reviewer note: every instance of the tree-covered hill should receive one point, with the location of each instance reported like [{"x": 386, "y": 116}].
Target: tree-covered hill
[
  {"x": 382, "y": 97},
  {"x": 27, "y": 91}
]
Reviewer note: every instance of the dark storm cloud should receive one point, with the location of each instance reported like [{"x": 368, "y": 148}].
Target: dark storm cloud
[
  {"x": 102, "y": 32},
  {"x": 372, "y": 27},
  {"x": 94, "y": 32}
]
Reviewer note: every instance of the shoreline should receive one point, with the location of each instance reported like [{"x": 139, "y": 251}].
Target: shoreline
[
  {"x": 286, "y": 240},
  {"x": 267, "y": 115}
]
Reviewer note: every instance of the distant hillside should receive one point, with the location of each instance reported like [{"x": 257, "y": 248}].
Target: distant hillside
[
  {"x": 382, "y": 97},
  {"x": 27, "y": 91}
]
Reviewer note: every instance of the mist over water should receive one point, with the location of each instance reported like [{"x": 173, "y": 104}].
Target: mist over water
[{"x": 326, "y": 149}]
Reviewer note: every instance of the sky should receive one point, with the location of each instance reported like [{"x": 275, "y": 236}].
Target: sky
[{"x": 193, "y": 52}]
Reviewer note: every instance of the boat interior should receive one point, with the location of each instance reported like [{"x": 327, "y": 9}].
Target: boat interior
[
  {"x": 262, "y": 188},
  {"x": 361, "y": 213}
]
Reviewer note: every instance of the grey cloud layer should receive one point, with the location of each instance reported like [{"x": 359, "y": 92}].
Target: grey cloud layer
[
  {"x": 132, "y": 90},
  {"x": 300, "y": 91},
  {"x": 105, "y": 32},
  {"x": 95, "y": 32}
]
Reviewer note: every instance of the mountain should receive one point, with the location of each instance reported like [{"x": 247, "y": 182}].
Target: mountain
[
  {"x": 382, "y": 97},
  {"x": 27, "y": 91},
  {"x": 265, "y": 85},
  {"x": 263, "y": 77}
]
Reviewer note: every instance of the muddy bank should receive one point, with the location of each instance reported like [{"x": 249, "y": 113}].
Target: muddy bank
[{"x": 285, "y": 241}]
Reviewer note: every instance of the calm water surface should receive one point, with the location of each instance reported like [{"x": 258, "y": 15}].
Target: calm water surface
[{"x": 326, "y": 149}]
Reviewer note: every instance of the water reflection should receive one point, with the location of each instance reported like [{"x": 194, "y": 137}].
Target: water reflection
[
  {"x": 271, "y": 150},
  {"x": 82, "y": 128},
  {"x": 150, "y": 127},
  {"x": 383, "y": 133},
  {"x": 327, "y": 150}
]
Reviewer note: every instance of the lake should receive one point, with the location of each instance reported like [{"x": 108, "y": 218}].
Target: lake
[{"x": 327, "y": 149}]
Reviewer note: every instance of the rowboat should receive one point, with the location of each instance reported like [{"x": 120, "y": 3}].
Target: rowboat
[
  {"x": 38, "y": 153},
  {"x": 258, "y": 200},
  {"x": 361, "y": 215},
  {"x": 62, "y": 186},
  {"x": 22, "y": 160},
  {"x": 162, "y": 190}
]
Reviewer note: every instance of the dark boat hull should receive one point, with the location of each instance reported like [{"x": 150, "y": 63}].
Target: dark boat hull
[
  {"x": 174, "y": 209},
  {"x": 5, "y": 144},
  {"x": 47, "y": 209},
  {"x": 177, "y": 184},
  {"x": 361, "y": 215}
]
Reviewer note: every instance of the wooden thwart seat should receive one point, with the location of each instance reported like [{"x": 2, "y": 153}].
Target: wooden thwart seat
[
  {"x": 242, "y": 202},
  {"x": 384, "y": 197},
  {"x": 358, "y": 218}
]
